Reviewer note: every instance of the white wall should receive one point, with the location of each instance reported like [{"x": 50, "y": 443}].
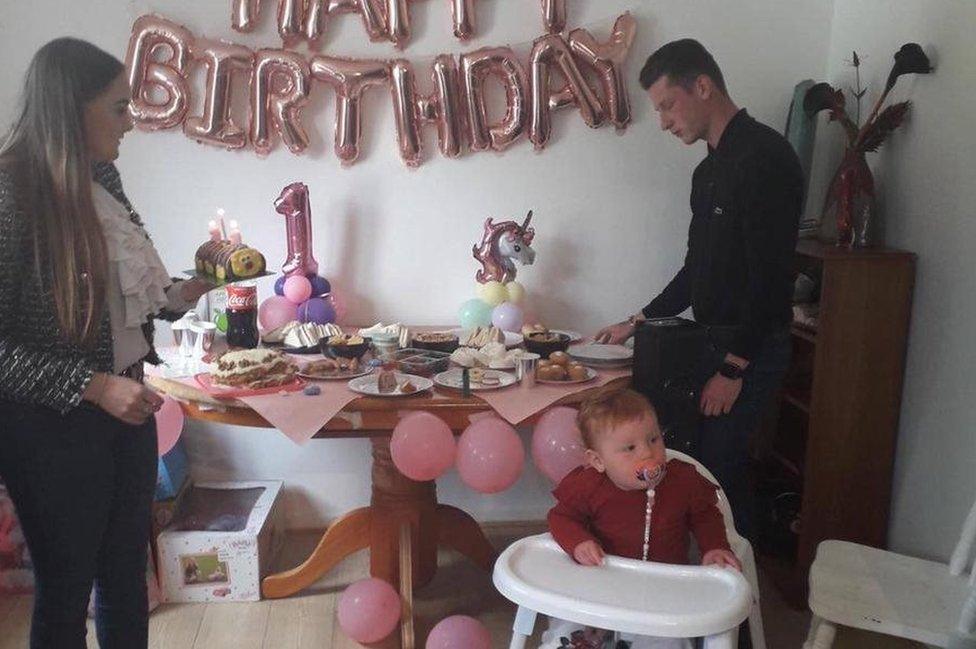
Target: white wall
[
  {"x": 611, "y": 212},
  {"x": 927, "y": 196}
]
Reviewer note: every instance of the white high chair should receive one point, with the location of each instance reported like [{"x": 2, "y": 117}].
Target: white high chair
[
  {"x": 884, "y": 592},
  {"x": 631, "y": 596}
]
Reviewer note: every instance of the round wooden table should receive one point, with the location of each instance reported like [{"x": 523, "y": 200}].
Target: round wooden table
[{"x": 404, "y": 524}]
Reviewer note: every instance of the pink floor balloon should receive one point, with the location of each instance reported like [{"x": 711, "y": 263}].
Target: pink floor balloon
[
  {"x": 490, "y": 455},
  {"x": 369, "y": 610},
  {"x": 276, "y": 311},
  {"x": 169, "y": 425},
  {"x": 557, "y": 446},
  {"x": 422, "y": 446},
  {"x": 459, "y": 632}
]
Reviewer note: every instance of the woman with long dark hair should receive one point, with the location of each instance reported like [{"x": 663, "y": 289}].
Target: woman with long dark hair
[{"x": 80, "y": 283}]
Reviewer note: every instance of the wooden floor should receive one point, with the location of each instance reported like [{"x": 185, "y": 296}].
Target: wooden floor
[{"x": 308, "y": 620}]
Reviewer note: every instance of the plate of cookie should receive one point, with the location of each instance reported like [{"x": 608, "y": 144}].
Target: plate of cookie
[{"x": 329, "y": 369}]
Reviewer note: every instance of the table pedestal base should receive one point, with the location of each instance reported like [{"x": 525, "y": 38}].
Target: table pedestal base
[{"x": 397, "y": 503}]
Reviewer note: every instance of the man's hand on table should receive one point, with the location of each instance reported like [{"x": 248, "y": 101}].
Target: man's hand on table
[{"x": 615, "y": 334}]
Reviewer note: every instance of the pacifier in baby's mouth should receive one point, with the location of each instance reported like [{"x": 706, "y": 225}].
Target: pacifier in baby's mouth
[{"x": 650, "y": 472}]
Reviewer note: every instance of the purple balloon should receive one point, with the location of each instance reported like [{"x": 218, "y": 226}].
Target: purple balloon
[
  {"x": 317, "y": 310},
  {"x": 507, "y": 317},
  {"x": 320, "y": 285},
  {"x": 280, "y": 285}
]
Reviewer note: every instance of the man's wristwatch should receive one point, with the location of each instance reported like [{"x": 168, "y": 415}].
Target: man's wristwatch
[
  {"x": 731, "y": 371},
  {"x": 635, "y": 319}
]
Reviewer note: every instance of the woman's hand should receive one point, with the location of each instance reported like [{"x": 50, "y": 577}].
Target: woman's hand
[
  {"x": 588, "y": 553},
  {"x": 123, "y": 398},
  {"x": 722, "y": 559},
  {"x": 192, "y": 290}
]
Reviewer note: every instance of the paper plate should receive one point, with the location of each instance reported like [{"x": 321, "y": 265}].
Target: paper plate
[
  {"x": 453, "y": 379},
  {"x": 367, "y": 385}
]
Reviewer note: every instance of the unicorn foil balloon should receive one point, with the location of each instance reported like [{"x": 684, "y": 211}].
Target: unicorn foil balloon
[{"x": 502, "y": 244}]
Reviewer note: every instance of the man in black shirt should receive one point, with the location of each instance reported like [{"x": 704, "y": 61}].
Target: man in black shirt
[{"x": 746, "y": 199}]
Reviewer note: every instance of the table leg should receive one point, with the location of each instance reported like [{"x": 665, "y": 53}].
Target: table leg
[
  {"x": 396, "y": 501},
  {"x": 406, "y": 590},
  {"x": 347, "y": 535},
  {"x": 397, "y": 504},
  {"x": 459, "y": 531}
]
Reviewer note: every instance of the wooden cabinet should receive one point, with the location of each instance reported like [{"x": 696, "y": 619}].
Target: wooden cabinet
[{"x": 837, "y": 420}]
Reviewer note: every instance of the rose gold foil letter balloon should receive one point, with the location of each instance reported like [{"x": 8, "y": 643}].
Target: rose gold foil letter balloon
[
  {"x": 475, "y": 68},
  {"x": 462, "y": 12},
  {"x": 350, "y": 78},
  {"x": 294, "y": 205},
  {"x": 152, "y": 35},
  {"x": 607, "y": 59},
  {"x": 215, "y": 126},
  {"x": 398, "y": 22},
  {"x": 244, "y": 14},
  {"x": 442, "y": 108},
  {"x": 554, "y": 15},
  {"x": 279, "y": 91},
  {"x": 552, "y": 50},
  {"x": 317, "y": 13},
  {"x": 291, "y": 21}
]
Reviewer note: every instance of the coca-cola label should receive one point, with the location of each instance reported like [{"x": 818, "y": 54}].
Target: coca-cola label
[{"x": 242, "y": 297}]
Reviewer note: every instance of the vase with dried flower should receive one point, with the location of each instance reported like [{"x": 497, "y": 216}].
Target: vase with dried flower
[{"x": 850, "y": 195}]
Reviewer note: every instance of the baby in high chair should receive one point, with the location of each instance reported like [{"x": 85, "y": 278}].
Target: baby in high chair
[{"x": 631, "y": 501}]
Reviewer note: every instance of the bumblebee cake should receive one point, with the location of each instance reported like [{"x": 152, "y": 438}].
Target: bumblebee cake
[{"x": 227, "y": 261}]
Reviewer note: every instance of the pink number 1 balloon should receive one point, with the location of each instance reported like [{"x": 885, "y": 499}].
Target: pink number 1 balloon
[{"x": 294, "y": 205}]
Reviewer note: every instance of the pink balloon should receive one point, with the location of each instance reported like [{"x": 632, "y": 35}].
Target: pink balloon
[
  {"x": 490, "y": 455},
  {"x": 293, "y": 204},
  {"x": 422, "y": 446},
  {"x": 276, "y": 311},
  {"x": 169, "y": 425},
  {"x": 459, "y": 631},
  {"x": 297, "y": 289},
  {"x": 369, "y": 610},
  {"x": 557, "y": 445}
]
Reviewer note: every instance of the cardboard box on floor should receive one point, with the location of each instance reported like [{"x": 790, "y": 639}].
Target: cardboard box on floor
[{"x": 221, "y": 542}]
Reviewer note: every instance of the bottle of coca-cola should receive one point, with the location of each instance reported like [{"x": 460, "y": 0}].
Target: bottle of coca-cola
[{"x": 242, "y": 315}]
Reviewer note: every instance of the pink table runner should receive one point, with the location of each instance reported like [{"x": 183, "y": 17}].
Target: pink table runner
[{"x": 300, "y": 416}]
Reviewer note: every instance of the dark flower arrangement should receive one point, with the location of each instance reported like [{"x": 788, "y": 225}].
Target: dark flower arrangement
[{"x": 851, "y": 191}]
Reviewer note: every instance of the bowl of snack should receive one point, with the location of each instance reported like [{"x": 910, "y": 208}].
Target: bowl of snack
[
  {"x": 560, "y": 368},
  {"x": 344, "y": 345},
  {"x": 545, "y": 343},
  {"x": 438, "y": 341}
]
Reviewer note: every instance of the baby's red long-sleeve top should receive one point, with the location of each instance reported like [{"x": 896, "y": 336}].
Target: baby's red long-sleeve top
[{"x": 590, "y": 507}]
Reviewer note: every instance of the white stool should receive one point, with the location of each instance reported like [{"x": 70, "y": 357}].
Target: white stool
[{"x": 625, "y": 595}]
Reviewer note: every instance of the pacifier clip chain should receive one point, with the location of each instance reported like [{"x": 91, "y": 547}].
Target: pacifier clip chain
[{"x": 647, "y": 522}]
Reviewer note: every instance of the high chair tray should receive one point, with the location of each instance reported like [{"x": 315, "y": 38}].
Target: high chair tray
[{"x": 623, "y": 594}]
